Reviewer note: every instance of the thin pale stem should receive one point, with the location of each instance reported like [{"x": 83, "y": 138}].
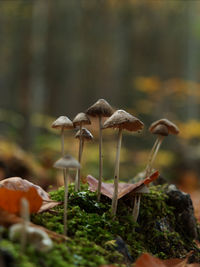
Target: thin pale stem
[
  {"x": 63, "y": 148},
  {"x": 153, "y": 154},
  {"x": 78, "y": 172},
  {"x": 136, "y": 208},
  {"x": 65, "y": 201},
  {"x": 150, "y": 157},
  {"x": 116, "y": 174},
  {"x": 160, "y": 139},
  {"x": 62, "y": 142},
  {"x": 26, "y": 218},
  {"x": 79, "y": 156},
  {"x": 100, "y": 159}
]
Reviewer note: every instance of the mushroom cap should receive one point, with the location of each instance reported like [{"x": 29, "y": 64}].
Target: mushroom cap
[
  {"x": 100, "y": 108},
  {"x": 62, "y": 122},
  {"x": 86, "y": 134},
  {"x": 81, "y": 118},
  {"x": 161, "y": 129},
  {"x": 172, "y": 128},
  {"x": 123, "y": 120},
  {"x": 67, "y": 162}
]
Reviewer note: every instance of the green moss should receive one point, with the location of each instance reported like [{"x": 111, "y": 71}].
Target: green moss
[{"x": 91, "y": 230}]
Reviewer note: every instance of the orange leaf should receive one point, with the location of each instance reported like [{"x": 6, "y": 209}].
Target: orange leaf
[
  {"x": 152, "y": 178},
  {"x": 14, "y": 188},
  {"x": 146, "y": 260},
  {"x": 10, "y": 199}
]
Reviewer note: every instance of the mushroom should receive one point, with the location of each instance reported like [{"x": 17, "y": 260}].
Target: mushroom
[
  {"x": 121, "y": 120},
  {"x": 67, "y": 162},
  {"x": 84, "y": 135},
  {"x": 80, "y": 120},
  {"x": 62, "y": 123},
  {"x": 100, "y": 109},
  {"x": 26, "y": 233},
  {"x": 162, "y": 128}
]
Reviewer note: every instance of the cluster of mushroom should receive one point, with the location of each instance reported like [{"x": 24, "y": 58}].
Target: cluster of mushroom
[{"x": 118, "y": 119}]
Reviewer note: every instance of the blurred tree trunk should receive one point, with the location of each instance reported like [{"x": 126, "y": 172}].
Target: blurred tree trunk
[{"x": 37, "y": 89}]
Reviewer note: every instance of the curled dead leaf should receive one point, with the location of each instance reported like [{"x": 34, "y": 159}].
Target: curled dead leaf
[{"x": 124, "y": 189}]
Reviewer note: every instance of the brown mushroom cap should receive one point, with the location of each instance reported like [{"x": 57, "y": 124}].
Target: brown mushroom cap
[
  {"x": 172, "y": 128},
  {"x": 67, "y": 162},
  {"x": 81, "y": 118},
  {"x": 160, "y": 129},
  {"x": 85, "y": 133},
  {"x": 100, "y": 108},
  {"x": 124, "y": 120},
  {"x": 62, "y": 122}
]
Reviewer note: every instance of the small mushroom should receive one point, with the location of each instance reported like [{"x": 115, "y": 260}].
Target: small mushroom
[
  {"x": 161, "y": 128},
  {"x": 67, "y": 162},
  {"x": 29, "y": 234},
  {"x": 100, "y": 109},
  {"x": 80, "y": 120},
  {"x": 62, "y": 123},
  {"x": 121, "y": 120},
  {"x": 35, "y": 236},
  {"x": 83, "y": 135}
]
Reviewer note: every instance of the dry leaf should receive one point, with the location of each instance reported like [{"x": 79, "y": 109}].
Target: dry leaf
[
  {"x": 146, "y": 260},
  {"x": 15, "y": 188},
  {"x": 107, "y": 189}
]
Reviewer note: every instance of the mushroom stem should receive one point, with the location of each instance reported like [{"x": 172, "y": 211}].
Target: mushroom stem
[
  {"x": 62, "y": 141},
  {"x": 136, "y": 208},
  {"x": 150, "y": 157},
  {"x": 154, "y": 153},
  {"x": 78, "y": 172},
  {"x": 63, "y": 149},
  {"x": 116, "y": 174},
  {"x": 26, "y": 218},
  {"x": 65, "y": 201},
  {"x": 100, "y": 159}
]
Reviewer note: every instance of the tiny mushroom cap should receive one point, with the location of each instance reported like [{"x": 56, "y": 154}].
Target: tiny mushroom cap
[
  {"x": 100, "y": 108},
  {"x": 172, "y": 128},
  {"x": 124, "y": 120},
  {"x": 81, "y": 118},
  {"x": 160, "y": 129},
  {"x": 85, "y": 133},
  {"x": 67, "y": 162},
  {"x": 62, "y": 122}
]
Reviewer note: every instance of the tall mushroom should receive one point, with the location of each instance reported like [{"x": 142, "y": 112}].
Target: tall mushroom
[
  {"x": 121, "y": 120},
  {"x": 161, "y": 128},
  {"x": 100, "y": 109},
  {"x": 67, "y": 162},
  {"x": 80, "y": 120},
  {"x": 62, "y": 123}
]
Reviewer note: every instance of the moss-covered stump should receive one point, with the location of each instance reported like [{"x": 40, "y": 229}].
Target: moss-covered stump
[{"x": 96, "y": 239}]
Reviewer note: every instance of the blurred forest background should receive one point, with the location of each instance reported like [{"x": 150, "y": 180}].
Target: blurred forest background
[{"x": 59, "y": 57}]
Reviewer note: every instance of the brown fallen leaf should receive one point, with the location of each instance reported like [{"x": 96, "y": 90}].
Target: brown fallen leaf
[
  {"x": 15, "y": 188},
  {"x": 146, "y": 260},
  {"x": 10, "y": 200},
  {"x": 7, "y": 219},
  {"x": 107, "y": 189}
]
